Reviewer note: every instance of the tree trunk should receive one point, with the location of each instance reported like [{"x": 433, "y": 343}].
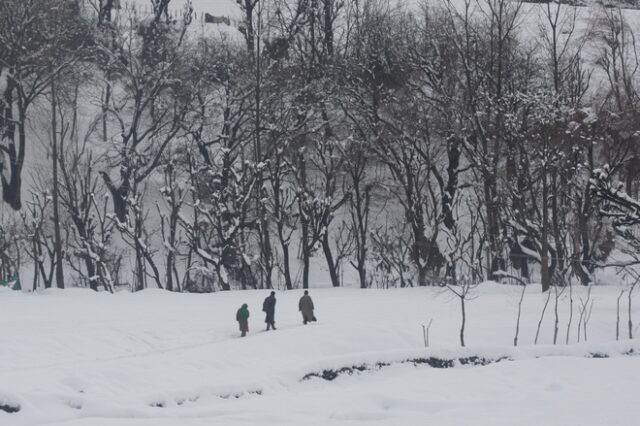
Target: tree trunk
[
  {"x": 249, "y": 31},
  {"x": 328, "y": 26},
  {"x": 493, "y": 229},
  {"x": 420, "y": 243},
  {"x": 265, "y": 249},
  {"x": 140, "y": 262},
  {"x": 422, "y": 276},
  {"x": 333, "y": 272},
  {"x": 360, "y": 202},
  {"x": 105, "y": 106},
  {"x": 35, "y": 264},
  {"x": 284, "y": 244},
  {"x": 56, "y": 204},
  {"x": 286, "y": 266},
  {"x": 555, "y": 214},
  {"x": 91, "y": 273},
  {"x": 304, "y": 221},
  {"x": 171, "y": 256},
  {"x": 583, "y": 224},
  {"x": 224, "y": 284},
  {"x": 169, "y": 271},
  {"x": 544, "y": 258},
  {"x": 305, "y": 260},
  {"x": 464, "y": 320},
  {"x": 11, "y": 190},
  {"x": 629, "y": 320},
  {"x": 265, "y": 237}
]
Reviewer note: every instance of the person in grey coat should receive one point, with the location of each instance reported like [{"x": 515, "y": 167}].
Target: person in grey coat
[{"x": 305, "y": 306}]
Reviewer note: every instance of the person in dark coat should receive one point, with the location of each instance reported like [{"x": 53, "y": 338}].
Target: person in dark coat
[
  {"x": 305, "y": 306},
  {"x": 269, "y": 308},
  {"x": 242, "y": 316}
]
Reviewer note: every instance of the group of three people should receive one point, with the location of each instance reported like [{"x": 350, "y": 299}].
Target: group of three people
[{"x": 305, "y": 306}]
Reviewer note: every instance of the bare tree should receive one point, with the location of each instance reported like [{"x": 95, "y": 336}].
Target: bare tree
[
  {"x": 629, "y": 302},
  {"x": 60, "y": 57},
  {"x": 281, "y": 206},
  {"x": 10, "y": 250},
  {"x": 483, "y": 37},
  {"x": 248, "y": 8},
  {"x": 39, "y": 244},
  {"x": 618, "y": 314},
  {"x": 358, "y": 164},
  {"x": 149, "y": 109},
  {"x": 563, "y": 44},
  {"x": 223, "y": 181},
  {"x": 559, "y": 286},
  {"x": 463, "y": 290},
  {"x": 91, "y": 229},
  {"x": 32, "y": 36},
  {"x": 618, "y": 57},
  {"x": 570, "y": 320},
  {"x": 318, "y": 202},
  {"x": 391, "y": 253},
  {"x": 523, "y": 285},
  {"x": 623, "y": 210},
  {"x": 544, "y": 309},
  {"x": 522, "y": 293},
  {"x": 174, "y": 194},
  {"x": 586, "y": 307},
  {"x": 135, "y": 234}
]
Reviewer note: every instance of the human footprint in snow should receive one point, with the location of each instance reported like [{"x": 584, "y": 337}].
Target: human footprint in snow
[
  {"x": 305, "y": 306},
  {"x": 242, "y": 316}
]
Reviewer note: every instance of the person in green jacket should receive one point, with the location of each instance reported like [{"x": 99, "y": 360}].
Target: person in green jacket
[
  {"x": 242, "y": 316},
  {"x": 13, "y": 282}
]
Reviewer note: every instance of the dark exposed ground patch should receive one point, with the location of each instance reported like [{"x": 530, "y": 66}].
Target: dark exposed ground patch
[
  {"x": 182, "y": 401},
  {"x": 331, "y": 374},
  {"x": 434, "y": 362},
  {"x": 598, "y": 355},
  {"x": 9, "y": 408}
]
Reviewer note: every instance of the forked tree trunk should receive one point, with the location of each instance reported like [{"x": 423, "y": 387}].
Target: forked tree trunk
[{"x": 333, "y": 272}]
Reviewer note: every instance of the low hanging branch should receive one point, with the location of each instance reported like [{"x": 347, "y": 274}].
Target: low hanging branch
[{"x": 621, "y": 208}]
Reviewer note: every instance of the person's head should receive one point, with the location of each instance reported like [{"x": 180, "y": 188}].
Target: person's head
[
  {"x": 273, "y": 293},
  {"x": 306, "y": 292},
  {"x": 244, "y": 305}
]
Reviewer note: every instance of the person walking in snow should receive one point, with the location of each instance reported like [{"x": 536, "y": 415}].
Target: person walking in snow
[
  {"x": 269, "y": 308},
  {"x": 242, "y": 316},
  {"x": 305, "y": 306}
]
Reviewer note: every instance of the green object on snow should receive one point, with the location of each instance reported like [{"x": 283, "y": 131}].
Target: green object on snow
[
  {"x": 16, "y": 284},
  {"x": 13, "y": 282}
]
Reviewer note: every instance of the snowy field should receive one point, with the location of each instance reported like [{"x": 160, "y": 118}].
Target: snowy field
[{"x": 152, "y": 358}]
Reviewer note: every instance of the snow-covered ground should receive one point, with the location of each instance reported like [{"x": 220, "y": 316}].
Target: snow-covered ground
[{"x": 154, "y": 358}]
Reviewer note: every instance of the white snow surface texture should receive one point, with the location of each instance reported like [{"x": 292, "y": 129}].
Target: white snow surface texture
[{"x": 78, "y": 358}]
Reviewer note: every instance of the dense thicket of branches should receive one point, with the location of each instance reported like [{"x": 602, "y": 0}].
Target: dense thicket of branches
[{"x": 404, "y": 146}]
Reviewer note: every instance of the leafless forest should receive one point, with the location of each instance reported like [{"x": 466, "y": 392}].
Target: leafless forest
[{"x": 139, "y": 150}]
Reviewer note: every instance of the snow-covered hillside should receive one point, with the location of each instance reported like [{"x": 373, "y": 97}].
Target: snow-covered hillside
[
  {"x": 213, "y": 7},
  {"x": 155, "y": 358}
]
